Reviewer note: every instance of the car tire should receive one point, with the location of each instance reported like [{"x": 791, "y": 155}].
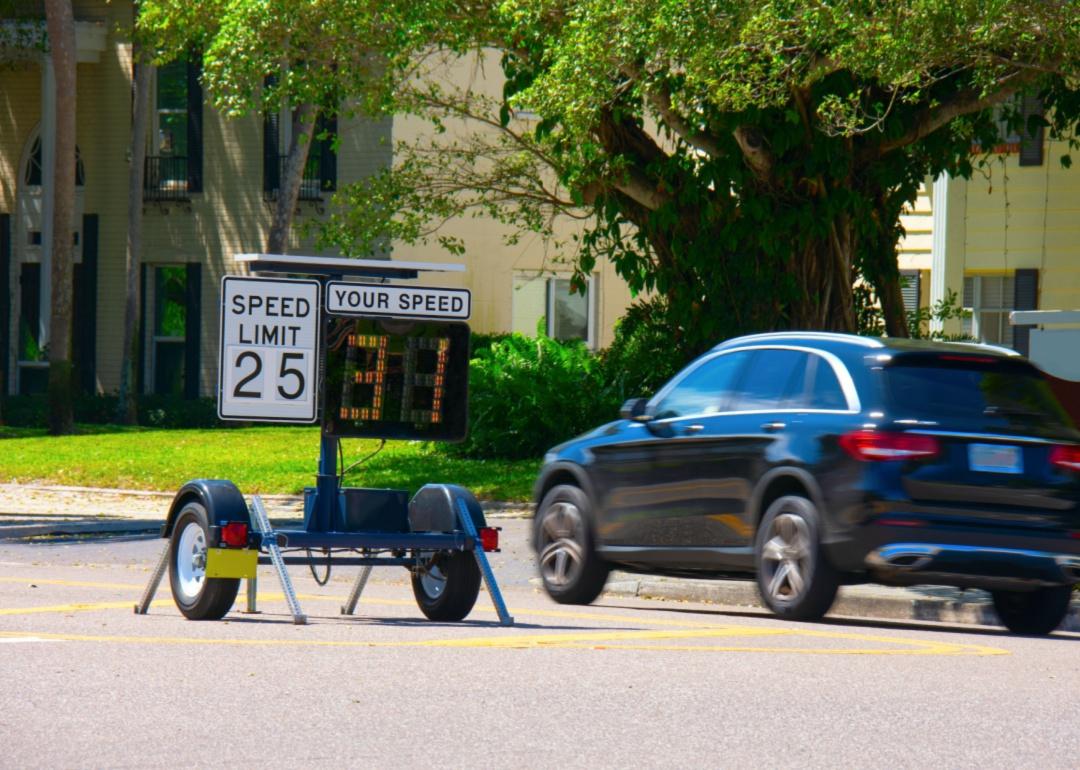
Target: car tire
[
  {"x": 570, "y": 568},
  {"x": 1033, "y": 613},
  {"x": 447, "y": 586},
  {"x": 197, "y": 596},
  {"x": 794, "y": 578}
]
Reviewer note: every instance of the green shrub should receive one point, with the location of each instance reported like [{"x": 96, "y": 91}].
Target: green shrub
[
  {"x": 643, "y": 355},
  {"x": 529, "y": 393}
]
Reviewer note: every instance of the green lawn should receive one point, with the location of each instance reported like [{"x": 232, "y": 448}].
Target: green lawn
[{"x": 267, "y": 460}]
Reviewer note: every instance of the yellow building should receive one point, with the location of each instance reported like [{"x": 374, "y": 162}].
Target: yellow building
[
  {"x": 210, "y": 187},
  {"x": 1004, "y": 240}
]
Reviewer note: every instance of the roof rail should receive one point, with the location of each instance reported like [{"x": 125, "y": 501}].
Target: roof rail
[{"x": 853, "y": 339}]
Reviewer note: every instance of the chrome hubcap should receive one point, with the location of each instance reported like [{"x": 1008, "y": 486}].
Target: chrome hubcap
[
  {"x": 785, "y": 558},
  {"x": 191, "y": 561},
  {"x": 433, "y": 581},
  {"x": 562, "y": 544}
]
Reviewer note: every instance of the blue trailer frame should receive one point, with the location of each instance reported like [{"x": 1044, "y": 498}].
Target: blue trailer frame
[{"x": 451, "y": 517}]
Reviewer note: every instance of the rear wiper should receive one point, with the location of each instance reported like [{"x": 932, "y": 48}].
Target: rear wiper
[{"x": 1014, "y": 411}]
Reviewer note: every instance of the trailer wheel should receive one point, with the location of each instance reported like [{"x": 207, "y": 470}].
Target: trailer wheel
[
  {"x": 197, "y": 596},
  {"x": 447, "y": 585}
]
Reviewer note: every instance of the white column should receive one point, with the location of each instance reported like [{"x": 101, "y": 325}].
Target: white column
[
  {"x": 939, "y": 202},
  {"x": 48, "y": 169}
]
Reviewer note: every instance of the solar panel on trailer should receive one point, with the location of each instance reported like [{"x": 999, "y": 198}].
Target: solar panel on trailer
[
  {"x": 396, "y": 379},
  {"x": 292, "y": 264}
]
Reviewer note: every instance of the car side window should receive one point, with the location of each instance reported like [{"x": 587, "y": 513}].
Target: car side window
[
  {"x": 825, "y": 390},
  {"x": 772, "y": 376},
  {"x": 705, "y": 390}
]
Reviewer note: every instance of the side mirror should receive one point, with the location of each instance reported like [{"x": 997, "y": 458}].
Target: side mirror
[{"x": 634, "y": 409}]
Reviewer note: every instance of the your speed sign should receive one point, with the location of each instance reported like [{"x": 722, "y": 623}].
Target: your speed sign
[{"x": 269, "y": 349}]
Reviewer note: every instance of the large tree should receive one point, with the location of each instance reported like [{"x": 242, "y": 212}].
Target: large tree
[
  {"x": 745, "y": 162},
  {"x": 60, "y": 21}
]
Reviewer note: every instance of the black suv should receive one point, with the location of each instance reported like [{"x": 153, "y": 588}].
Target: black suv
[{"x": 815, "y": 459}]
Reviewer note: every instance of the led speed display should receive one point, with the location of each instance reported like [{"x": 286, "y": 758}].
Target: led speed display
[{"x": 396, "y": 379}]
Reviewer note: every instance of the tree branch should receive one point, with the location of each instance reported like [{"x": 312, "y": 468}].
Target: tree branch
[
  {"x": 964, "y": 103},
  {"x": 659, "y": 96},
  {"x": 753, "y": 149}
]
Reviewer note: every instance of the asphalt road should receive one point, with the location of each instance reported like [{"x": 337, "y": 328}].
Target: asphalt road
[{"x": 86, "y": 683}]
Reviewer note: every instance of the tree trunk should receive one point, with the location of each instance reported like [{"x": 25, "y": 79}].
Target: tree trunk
[
  {"x": 303, "y": 127},
  {"x": 126, "y": 412},
  {"x": 61, "y": 28}
]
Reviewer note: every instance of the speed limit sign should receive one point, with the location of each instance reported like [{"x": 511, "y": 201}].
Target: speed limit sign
[{"x": 269, "y": 349}]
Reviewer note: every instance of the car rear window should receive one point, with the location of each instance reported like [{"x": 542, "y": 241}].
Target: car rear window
[{"x": 942, "y": 386}]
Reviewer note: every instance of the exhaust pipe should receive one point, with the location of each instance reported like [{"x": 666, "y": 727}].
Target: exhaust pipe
[{"x": 907, "y": 557}]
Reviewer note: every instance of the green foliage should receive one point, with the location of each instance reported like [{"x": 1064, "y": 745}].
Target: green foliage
[
  {"x": 642, "y": 357},
  {"x": 527, "y": 393}
]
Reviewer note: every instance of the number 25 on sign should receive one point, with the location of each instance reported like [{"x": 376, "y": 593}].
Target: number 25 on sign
[{"x": 269, "y": 349}]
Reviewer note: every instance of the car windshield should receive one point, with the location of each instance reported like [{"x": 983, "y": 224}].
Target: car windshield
[{"x": 971, "y": 387}]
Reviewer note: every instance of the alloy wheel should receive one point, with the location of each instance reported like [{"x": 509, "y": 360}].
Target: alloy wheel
[
  {"x": 786, "y": 558},
  {"x": 562, "y": 544}
]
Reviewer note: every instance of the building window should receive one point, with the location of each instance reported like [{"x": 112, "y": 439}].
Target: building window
[
  {"x": 32, "y": 358},
  {"x": 170, "y": 329},
  {"x": 566, "y": 315},
  {"x": 174, "y": 150},
  {"x": 989, "y": 298},
  {"x": 320, "y": 170}
]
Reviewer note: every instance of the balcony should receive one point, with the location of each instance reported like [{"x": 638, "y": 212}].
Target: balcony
[
  {"x": 311, "y": 186},
  {"x": 166, "y": 179}
]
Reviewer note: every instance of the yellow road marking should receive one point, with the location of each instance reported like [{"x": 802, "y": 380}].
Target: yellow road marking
[{"x": 613, "y": 639}]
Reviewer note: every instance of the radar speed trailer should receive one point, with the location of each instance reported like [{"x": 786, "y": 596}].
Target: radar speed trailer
[{"x": 371, "y": 359}]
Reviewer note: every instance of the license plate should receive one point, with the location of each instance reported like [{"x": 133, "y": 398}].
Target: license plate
[{"x": 995, "y": 458}]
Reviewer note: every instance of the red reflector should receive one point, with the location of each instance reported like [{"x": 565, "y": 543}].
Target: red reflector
[
  {"x": 1066, "y": 457},
  {"x": 234, "y": 534},
  {"x": 489, "y": 538},
  {"x": 874, "y": 445},
  {"x": 900, "y": 522}
]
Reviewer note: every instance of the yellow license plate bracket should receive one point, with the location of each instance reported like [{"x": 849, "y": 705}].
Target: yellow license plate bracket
[{"x": 231, "y": 562}]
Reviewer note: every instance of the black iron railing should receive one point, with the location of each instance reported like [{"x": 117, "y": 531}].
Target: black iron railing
[
  {"x": 311, "y": 186},
  {"x": 166, "y": 178}
]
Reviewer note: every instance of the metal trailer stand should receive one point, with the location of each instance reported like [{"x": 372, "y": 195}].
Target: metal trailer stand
[{"x": 371, "y": 359}]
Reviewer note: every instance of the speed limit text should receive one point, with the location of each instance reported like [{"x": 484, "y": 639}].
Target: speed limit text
[{"x": 273, "y": 334}]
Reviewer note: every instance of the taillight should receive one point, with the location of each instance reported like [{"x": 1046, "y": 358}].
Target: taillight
[
  {"x": 234, "y": 534},
  {"x": 489, "y": 538},
  {"x": 1066, "y": 457},
  {"x": 877, "y": 446}
]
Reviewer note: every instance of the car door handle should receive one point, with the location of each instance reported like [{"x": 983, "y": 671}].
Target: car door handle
[
  {"x": 773, "y": 427},
  {"x": 689, "y": 430}
]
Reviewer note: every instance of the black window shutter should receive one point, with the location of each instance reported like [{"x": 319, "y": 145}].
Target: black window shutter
[
  {"x": 271, "y": 143},
  {"x": 195, "y": 126},
  {"x": 271, "y": 153},
  {"x": 85, "y": 310},
  {"x": 1031, "y": 142},
  {"x": 140, "y": 374},
  {"x": 1025, "y": 297},
  {"x": 327, "y": 156},
  {"x": 192, "y": 328},
  {"x": 5, "y": 299}
]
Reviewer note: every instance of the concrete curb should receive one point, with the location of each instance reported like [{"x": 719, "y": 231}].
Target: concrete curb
[{"x": 880, "y": 602}]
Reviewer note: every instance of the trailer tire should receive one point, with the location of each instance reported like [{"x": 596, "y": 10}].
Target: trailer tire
[
  {"x": 447, "y": 587},
  {"x": 197, "y": 596}
]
